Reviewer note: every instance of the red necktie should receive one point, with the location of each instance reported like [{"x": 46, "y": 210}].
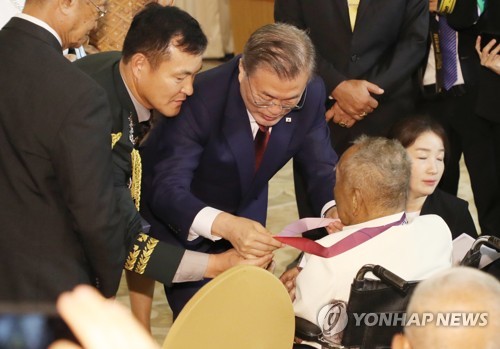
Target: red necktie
[{"x": 260, "y": 143}]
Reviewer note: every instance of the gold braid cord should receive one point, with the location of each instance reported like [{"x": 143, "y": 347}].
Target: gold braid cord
[
  {"x": 138, "y": 258},
  {"x": 115, "y": 137},
  {"x": 135, "y": 185}
]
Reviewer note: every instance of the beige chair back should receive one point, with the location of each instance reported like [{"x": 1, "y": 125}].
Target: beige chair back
[{"x": 244, "y": 307}]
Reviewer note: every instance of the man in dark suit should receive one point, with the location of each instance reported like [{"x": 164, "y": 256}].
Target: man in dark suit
[
  {"x": 60, "y": 223},
  {"x": 137, "y": 81},
  {"x": 207, "y": 179},
  {"x": 449, "y": 96},
  {"x": 367, "y": 56}
]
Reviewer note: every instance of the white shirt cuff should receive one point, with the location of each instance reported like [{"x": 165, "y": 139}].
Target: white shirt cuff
[
  {"x": 202, "y": 224},
  {"x": 327, "y": 206},
  {"x": 192, "y": 267}
]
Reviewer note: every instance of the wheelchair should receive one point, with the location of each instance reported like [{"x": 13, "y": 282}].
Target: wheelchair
[
  {"x": 473, "y": 256},
  {"x": 385, "y": 298}
]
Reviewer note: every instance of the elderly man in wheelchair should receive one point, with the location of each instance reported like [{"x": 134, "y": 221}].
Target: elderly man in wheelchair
[{"x": 370, "y": 192}]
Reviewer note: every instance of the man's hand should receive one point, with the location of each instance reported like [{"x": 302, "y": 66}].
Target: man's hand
[
  {"x": 340, "y": 117},
  {"x": 218, "y": 263},
  {"x": 248, "y": 237},
  {"x": 100, "y": 323},
  {"x": 489, "y": 55},
  {"x": 354, "y": 97},
  {"x": 288, "y": 279}
]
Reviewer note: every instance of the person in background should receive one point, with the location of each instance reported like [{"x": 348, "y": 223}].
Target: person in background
[
  {"x": 60, "y": 222},
  {"x": 450, "y": 81},
  {"x": 9, "y": 8},
  {"x": 368, "y": 53},
  {"x": 483, "y": 17},
  {"x": 426, "y": 143},
  {"x": 207, "y": 171},
  {"x": 161, "y": 56},
  {"x": 463, "y": 293}
]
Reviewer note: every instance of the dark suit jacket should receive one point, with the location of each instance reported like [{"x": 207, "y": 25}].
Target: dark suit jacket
[
  {"x": 453, "y": 210},
  {"x": 468, "y": 58},
  {"x": 205, "y": 156},
  {"x": 104, "y": 68},
  {"x": 465, "y": 16},
  {"x": 386, "y": 48},
  {"x": 60, "y": 223}
]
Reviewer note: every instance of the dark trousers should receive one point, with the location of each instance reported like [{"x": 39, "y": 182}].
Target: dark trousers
[
  {"x": 179, "y": 294},
  {"x": 473, "y": 137}
]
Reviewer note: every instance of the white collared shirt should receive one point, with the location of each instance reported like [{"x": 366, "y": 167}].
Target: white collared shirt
[
  {"x": 430, "y": 70},
  {"x": 143, "y": 113}
]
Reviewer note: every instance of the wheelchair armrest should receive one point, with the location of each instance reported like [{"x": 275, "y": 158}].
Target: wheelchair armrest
[{"x": 306, "y": 330}]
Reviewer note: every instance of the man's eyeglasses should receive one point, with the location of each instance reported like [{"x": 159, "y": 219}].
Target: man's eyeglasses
[
  {"x": 284, "y": 108},
  {"x": 100, "y": 11}
]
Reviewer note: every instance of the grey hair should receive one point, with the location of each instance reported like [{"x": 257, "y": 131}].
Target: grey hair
[
  {"x": 283, "y": 48},
  {"x": 382, "y": 168},
  {"x": 459, "y": 289}
]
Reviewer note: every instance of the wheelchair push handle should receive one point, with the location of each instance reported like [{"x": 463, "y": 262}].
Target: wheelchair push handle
[
  {"x": 490, "y": 241},
  {"x": 473, "y": 256},
  {"x": 385, "y": 275}
]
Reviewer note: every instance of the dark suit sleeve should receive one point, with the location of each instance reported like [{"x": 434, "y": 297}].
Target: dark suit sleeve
[
  {"x": 409, "y": 50},
  {"x": 83, "y": 166},
  {"x": 316, "y": 157},
  {"x": 453, "y": 210},
  {"x": 464, "y": 14},
  {"x": 178, "y": 145}
]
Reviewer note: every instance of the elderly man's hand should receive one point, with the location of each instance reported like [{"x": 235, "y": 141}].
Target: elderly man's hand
[
  {"x": 100, "y": 323},
  {"x": 489, "y": 55},
  {"x": 354, "y": 97},
  {"x": 336, "y": 226},
  {"x": 288, "y": 278},
  {"x": 248, "y": 237}
]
